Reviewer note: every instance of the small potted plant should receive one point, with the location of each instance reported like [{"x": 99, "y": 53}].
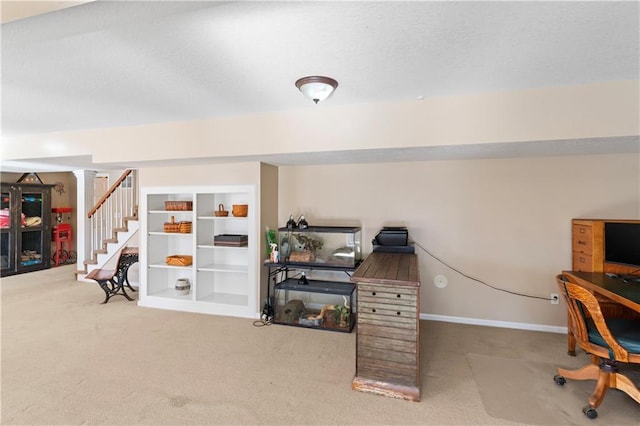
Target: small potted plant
[{"x": 342, "y": 315}]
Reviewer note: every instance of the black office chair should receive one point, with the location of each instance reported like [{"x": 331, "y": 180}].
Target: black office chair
[{"x": 609, "y": 342}]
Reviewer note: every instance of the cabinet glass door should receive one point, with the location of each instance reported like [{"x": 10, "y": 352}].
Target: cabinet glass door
[
  {"x": 6, "y": 244},
  {"x": 32, "y": 235}
]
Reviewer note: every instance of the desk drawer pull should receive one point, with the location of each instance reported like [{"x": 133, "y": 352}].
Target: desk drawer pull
[
  {"x": 398, "y": 313},
  {"x": 398, "y": 296},
  {"x": 373, "y": 293},
  {"x": 373, "y": 310}
]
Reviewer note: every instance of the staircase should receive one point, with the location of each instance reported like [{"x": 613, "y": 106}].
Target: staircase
[{"x": 114, "y": 224}]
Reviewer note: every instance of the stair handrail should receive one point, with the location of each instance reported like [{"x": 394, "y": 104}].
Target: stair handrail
[
  {"x": 111, "y": 213},
  {"x": 109, "y": 192}
]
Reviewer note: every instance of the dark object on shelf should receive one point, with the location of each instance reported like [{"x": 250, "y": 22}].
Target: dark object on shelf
[
  {"x": 392, "y": 239},
  {"x": 291, "y": 223},
  {"x": 231, "y": 240},
  {"x": 302, "y": 223},
  {"x": 392, "y": 236},
  {"x": 303, "y": 279}
]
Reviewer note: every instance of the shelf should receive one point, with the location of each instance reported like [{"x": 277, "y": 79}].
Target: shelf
[
  {"x": 221, "y": 218},
  {"x": 317, "y": 286},
  {"x": 293, "y": 265},
  {"x": 169, "y": 233},
  {"x": 165, "y": 266},
  {"x": 224, "y": 268},
  {"x": 225, "y": 299},
  {"x": 170, "y": 211},
  {"x": 211, "y": 246},
  {"x": 170, "y": 293}
]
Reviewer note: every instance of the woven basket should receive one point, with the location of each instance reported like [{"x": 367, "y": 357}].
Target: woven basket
[
  {"x": 183, "y": 227},
  {"x": 179, "y": 260},
  {"x": 172, "y": 226},
  {"x": 178, "y": 205},
  {"x": 221, "y": 212},
  {"x": 240, "y": 210}
]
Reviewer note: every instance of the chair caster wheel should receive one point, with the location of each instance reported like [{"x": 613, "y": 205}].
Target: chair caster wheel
[
  {"x": 590, "y": 412},
  {"x": 560, "y": 380}
]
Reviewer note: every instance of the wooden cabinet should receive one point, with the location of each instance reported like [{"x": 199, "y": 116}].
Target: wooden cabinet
[
  {"x": 388, "y": 328},
  {"x": 221, "y": 275},
  {"x": 588, "y": 247},
  {"x": 25, "y": 228}
]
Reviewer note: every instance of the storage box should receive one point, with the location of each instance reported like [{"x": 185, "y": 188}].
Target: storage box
[
  {"x": 321, "y": 245},
  {"x": 392, "y": 236},
  {"x": 179, "y": 260},
  {"x": 231, "y": 240}
]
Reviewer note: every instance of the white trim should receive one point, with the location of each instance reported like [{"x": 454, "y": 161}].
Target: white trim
[{"x": 492, "y": 323}]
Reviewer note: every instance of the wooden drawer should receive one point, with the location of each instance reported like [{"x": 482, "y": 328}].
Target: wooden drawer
[
  {"x": 405, "y": 333},
  {"x": 382, "y": 308},
  {"x": 399, "y": 321},
  {"x": 373, "y": 342},
  {"x": 582, "y": 262},
  {"x": 582, "y": 239},
  {"x": 401, "y": 295}
]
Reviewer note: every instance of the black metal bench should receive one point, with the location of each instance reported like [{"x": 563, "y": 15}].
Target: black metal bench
[{"x": 112, "y": 281}]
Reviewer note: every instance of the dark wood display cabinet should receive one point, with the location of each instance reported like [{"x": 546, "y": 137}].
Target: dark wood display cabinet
[{"x": 25, "y": 228}]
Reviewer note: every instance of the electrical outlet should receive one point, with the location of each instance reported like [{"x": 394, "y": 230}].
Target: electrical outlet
[{"x": 555, "y": 298}]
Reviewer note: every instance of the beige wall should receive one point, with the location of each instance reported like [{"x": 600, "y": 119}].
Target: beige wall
[
  {"x": 506, "y": 222},
  {"x": 598, "y": 110}
]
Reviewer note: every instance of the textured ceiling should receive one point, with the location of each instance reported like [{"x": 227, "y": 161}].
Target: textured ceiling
[{"x": 111, "y": 64}]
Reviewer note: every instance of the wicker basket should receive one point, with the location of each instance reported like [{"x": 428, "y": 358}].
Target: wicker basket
[
  {"x": 179, "y": 260},
  {"x": 178, "y": 205},
  {"x": 172, "y": 226},
  {"x": 240, "y": 210},
  {"x": 183, "y": 227},
  {"x": 221, "y": 212}
]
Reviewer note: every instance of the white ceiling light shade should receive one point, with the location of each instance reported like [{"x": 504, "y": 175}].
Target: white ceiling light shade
[{"x": 316, "y": 88}]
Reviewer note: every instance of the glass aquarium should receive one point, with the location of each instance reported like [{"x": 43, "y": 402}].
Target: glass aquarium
[{"x": 331, "y": 246}]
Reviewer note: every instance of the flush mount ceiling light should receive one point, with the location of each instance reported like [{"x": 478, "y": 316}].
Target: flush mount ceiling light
[{"x": 316, "y": 88}]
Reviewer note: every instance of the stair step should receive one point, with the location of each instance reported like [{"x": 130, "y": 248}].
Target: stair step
[{"x": 110, "y": 240}]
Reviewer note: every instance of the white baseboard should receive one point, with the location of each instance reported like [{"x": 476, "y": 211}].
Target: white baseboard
[{"x": 491, "y": 323}]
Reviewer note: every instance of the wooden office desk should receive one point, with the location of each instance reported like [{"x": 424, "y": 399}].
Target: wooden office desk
[{"x": 625, "y": 293}]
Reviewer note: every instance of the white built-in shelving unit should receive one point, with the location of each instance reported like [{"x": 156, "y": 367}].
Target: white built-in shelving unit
[{"x": 224, "y": 280}]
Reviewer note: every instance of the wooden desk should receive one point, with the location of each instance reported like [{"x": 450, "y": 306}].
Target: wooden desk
[
  {"x": 388, "y": 332},
  {"x": 625, "y": 293}
]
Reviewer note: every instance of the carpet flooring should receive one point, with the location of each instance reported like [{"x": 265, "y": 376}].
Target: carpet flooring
[{"x": 69, "y": 360}]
